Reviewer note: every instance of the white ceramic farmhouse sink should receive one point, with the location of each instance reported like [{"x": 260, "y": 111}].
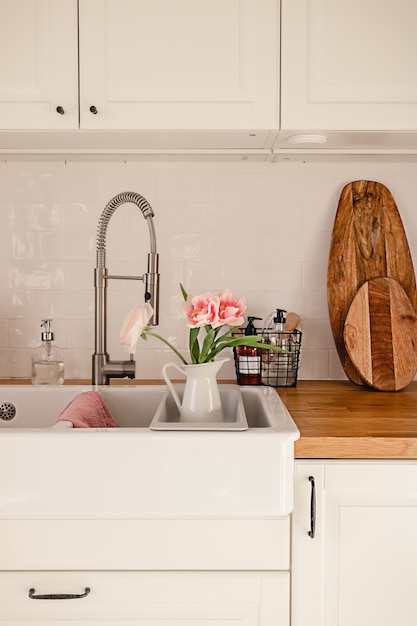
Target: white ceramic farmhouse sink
[{"x": 133, "y": 471}]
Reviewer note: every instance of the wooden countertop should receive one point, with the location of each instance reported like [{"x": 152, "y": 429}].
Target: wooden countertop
[{"x": 338, "y": 419}]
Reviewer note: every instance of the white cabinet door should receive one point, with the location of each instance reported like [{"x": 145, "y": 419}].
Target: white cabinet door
[
  {"x": 171, "y": 598},
  {"x": 38, "y": 64},
  {"x": 349, "y": 65},
  {"x": 361, "y": 565},
  {"x": 179, "y": 64}
]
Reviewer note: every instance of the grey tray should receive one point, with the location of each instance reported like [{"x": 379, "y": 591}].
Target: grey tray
[{"x": 167, "y": 414}]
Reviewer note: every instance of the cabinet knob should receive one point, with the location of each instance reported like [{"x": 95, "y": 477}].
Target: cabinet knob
[
  {"x": 60, "y": 110},
  {"x": 93, "y": 110}
]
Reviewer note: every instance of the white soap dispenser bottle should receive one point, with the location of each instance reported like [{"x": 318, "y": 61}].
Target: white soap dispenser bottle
[
  {"x": 275, "y": 336},
  {"x": 48, "y": 359}
]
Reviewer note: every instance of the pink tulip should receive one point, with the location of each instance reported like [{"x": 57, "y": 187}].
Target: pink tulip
[
  {"x": 202, "y": 310},
  {"x": 231, "y": 310},
  {"x": 207, "y": 311}
]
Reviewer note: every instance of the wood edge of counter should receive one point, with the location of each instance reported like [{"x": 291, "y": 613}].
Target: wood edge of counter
[{"x": 355, "y": 448}]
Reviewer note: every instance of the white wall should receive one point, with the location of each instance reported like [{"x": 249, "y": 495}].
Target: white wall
[{"x": 260, "y": 229}]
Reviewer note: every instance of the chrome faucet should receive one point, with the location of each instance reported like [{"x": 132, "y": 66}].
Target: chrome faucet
[{"x": 103, "y": 367}]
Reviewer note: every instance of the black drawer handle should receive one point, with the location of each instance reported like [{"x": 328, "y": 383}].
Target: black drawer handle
[
  {"x": 58, "y": 596},
  {"x": 312, "y": 531}
]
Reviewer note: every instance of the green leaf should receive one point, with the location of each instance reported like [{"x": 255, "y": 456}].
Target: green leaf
[
  {"x": 166, "y": 342},
  {"x": 207, "y": 344},
  {"x": 225, "y": 337},
  {"x": 253, "y": 342},
  {"x": 194, "y": 347},
  {"x": 184, "y": 293}
]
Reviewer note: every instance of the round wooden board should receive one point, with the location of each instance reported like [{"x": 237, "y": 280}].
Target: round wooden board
[
  {"x": 380, "y": 334},
  {"x": 368, "y": 241}
]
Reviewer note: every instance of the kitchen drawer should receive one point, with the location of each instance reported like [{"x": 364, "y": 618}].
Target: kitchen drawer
[
  {"x": 257, "y": 598},
  {"x": 175, "y": 544}
]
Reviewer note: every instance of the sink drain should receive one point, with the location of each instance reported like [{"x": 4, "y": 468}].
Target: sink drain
[{"x": 7, "y": 411}]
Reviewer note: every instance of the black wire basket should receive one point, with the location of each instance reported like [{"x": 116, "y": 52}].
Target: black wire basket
[{"x": 262, "y": 366}]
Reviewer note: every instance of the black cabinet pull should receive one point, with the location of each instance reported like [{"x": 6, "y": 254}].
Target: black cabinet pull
[
  {"x": 93, "y": 110},
  {"x": 60, "y": 110},
  {"x": 58, "y": 596},
  {"x": 312, "y": 531}
]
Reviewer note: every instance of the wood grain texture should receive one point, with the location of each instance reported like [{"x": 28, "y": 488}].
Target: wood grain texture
[
  {"x": 368, "y": 241},
  {"x": 340, "y": 420},
  {"x": 380, "y": 335}
]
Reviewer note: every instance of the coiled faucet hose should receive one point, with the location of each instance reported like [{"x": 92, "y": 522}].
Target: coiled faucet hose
[{"x": 109, "y": 209}]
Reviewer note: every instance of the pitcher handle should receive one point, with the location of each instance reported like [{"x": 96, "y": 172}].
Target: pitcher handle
[{"x": 169, "y": 383}]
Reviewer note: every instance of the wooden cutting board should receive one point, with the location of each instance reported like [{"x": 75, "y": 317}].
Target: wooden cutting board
[
  {"x": 380, "y": 334},
  {"x": 368, "y": 241}
]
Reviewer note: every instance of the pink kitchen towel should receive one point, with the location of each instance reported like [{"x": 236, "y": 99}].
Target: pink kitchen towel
[{"x": 87, "y": 410}]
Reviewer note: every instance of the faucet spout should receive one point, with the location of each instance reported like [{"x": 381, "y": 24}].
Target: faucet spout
[{"x": 103, "y": 367}]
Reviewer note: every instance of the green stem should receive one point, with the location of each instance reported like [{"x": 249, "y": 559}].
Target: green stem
[{"x": 179, "y": 355}]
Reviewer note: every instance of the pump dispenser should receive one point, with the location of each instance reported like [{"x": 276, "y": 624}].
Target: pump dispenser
[
  {"x": 273, "y": 331},
  {"x": 250, "y": 328},
  {"x": 277, "y": 327},
  {"x": 48, "y": 359},
  {"x": 249, "y": 360}
]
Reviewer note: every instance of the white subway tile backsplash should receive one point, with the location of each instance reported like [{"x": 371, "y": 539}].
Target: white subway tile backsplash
[
  {"x": 63, "y": 246},
  {"x": 24, "y": 245},
  {"x": 80, "y": 275},
  {"x": 246, "y": 188},
  {"x": 313, "y": 306},
  {"x": 185, "y": 187},
  {"x": 4, "y": 334},
  {"x": 17, "y": 304},
  {"x": 24, "y": 333},
  {"x": 314, "y": 277},
  {"x": 35, "y": 216},
  {"x": 314, "y": 364},
  {"x": 36, "y": 275},
  {"x": 260, "y": 229},
  {"x": 80, "y": 216},
  {"x": 335, "y": 368},
  {"x": 63, "y": 305},
  {"x": 316, "y": 246},
  {"x": 317, "y": 335}
]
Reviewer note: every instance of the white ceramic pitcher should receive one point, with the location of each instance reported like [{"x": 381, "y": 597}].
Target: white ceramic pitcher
[{"x": 201, "y": 400}]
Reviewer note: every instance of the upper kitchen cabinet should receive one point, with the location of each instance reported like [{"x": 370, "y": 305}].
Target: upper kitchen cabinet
[
  {"x": 38, "y": 64},
  {"x": 349, "y": 65},
  {"x": 179, "y": 64},
  {"x": 160, "y": 74}
]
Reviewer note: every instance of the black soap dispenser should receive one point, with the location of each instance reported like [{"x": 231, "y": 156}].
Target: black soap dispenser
[
  {"x": 250, "y": 328},
  {"x": 248, "y": 358},
  {"x": 48, "y": 359}
]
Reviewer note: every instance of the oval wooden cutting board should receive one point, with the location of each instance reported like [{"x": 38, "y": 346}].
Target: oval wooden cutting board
[
  {"x": 380, "y": 334},
  {"x": 368, "y": 241}
]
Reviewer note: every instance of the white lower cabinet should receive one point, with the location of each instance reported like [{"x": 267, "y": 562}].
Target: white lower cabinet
[
  {"x": 354, "y": 543},
  {"x": 195, "y": 598},
  {"x": 171, "y": 572}
]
